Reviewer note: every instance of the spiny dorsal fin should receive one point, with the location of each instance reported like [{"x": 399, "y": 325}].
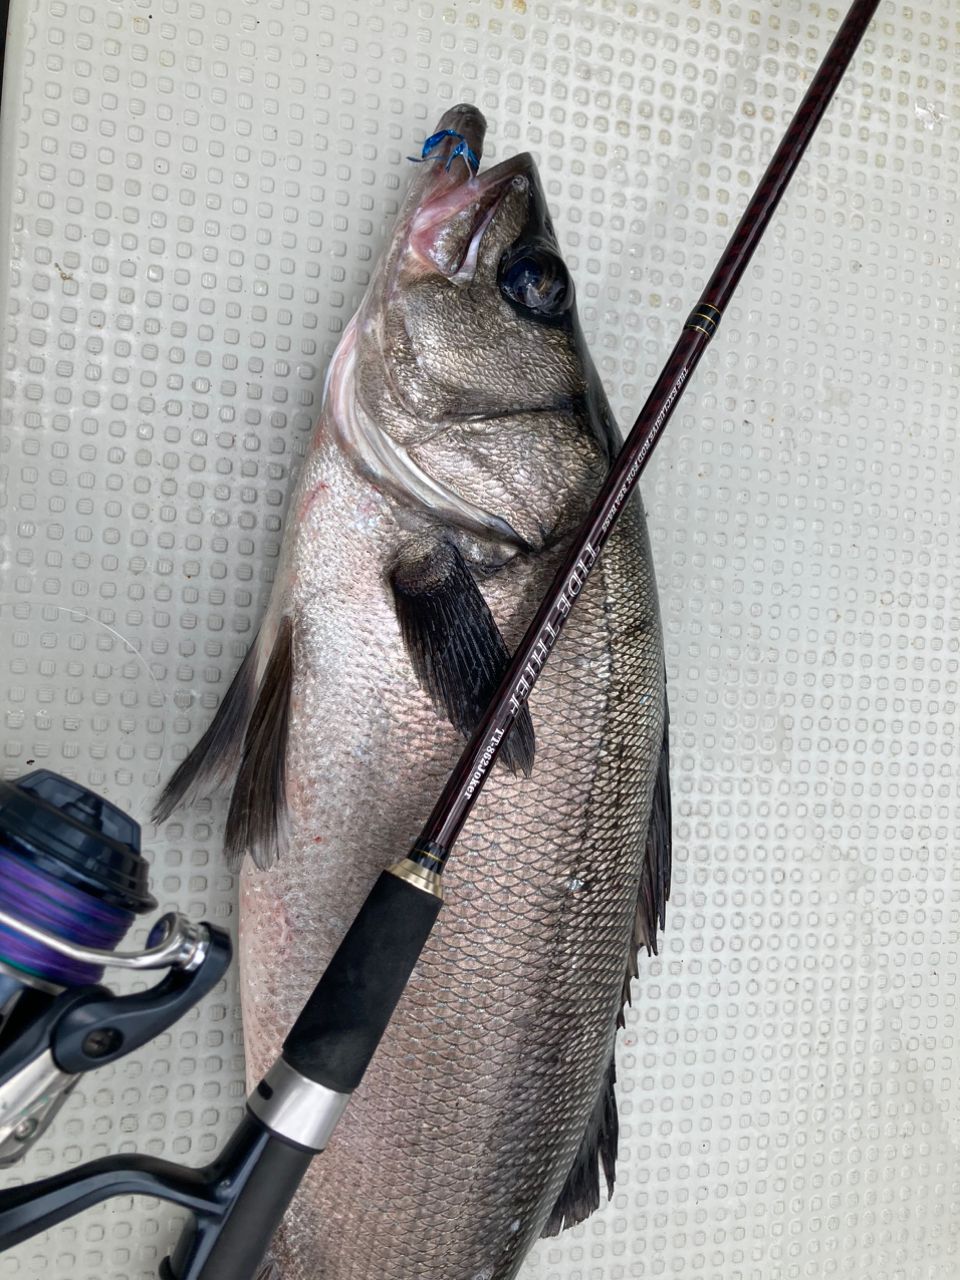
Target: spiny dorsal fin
[
  {"x": 218, "y": 752},
  {"x": 581, "y": 1191},
  {"x": 453, "y": 642},
  {"x": 257, "y": 819}
]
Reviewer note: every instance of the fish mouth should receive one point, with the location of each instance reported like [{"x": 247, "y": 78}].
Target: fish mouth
[{"x": 452, "y": 206}]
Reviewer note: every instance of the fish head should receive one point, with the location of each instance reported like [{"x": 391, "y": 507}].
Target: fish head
[
  {"x": 469, "y": 357},
  {"x": 473, "y": 311}
]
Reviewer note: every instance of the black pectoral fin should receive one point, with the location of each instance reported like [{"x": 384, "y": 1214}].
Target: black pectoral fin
[
  {"x": 580, "y": 1195},
  {"x": 218, "y": 752},
  {"x": 454, "y": 644}
]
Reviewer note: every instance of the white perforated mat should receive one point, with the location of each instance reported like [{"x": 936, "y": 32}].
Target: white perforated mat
[{"x": 196, "y": 194}]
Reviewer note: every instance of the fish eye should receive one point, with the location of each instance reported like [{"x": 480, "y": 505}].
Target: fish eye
[{"x": 534, "y": 277}]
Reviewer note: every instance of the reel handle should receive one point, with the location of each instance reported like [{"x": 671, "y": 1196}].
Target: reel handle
[{"x": 82, "y": 1028}]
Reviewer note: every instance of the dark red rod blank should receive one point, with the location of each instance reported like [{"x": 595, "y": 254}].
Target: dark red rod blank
[{"x": 473, "y": 767}]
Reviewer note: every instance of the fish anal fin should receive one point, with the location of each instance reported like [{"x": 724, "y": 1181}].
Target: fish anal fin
[
  {"x": 257, "y": 819},
  {"x": 218, "y": 752},
  {"x": 453, "y": 642},
  {"x": 580, "y": 1194}
]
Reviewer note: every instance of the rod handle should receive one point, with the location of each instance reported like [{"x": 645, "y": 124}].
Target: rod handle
[
  {"x": 250, "y": 1189},
  {"x": 338, "y": 1031}
]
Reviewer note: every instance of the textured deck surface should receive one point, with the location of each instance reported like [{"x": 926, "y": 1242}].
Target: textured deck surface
[{"x": 195, "y": 193}]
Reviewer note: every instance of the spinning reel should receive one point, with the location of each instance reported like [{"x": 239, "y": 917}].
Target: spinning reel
[{"x": 72, "y": 881}]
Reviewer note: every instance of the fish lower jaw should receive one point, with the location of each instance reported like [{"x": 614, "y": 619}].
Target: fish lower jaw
[{"x": 445, "y": 233}]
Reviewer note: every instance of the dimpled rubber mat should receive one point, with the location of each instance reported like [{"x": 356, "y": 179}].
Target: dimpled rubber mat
[{"x": 194, "y": 194}]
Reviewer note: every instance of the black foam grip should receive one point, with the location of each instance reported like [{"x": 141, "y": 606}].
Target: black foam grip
[{"x": 340, "y": 1027}]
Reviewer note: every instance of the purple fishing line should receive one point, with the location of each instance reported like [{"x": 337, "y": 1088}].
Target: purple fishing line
[{"x": 60, "y": 908}]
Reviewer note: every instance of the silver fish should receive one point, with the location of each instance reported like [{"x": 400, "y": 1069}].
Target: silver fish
[{"x": 462, "y": 434}]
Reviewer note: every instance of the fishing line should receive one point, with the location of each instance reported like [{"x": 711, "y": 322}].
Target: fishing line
[{"x": 52, "y": 903}]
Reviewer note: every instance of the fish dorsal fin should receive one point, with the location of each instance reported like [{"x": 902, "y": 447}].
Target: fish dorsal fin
[
  {"x": 580, "y": 1195},
  {"x": 655, "y": 876},
  {"x": 453, "y": 642}
]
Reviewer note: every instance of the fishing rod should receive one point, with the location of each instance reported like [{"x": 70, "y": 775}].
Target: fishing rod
[{"x": 237, "y": 1202}]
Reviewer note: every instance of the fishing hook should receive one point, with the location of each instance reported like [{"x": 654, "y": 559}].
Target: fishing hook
[{"x": 461, "y": 149}]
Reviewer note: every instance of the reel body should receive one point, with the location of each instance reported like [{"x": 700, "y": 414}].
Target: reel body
[{"x": 72, "y": 882}]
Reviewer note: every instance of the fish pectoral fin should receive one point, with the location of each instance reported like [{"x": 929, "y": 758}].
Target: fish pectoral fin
[
  {"x": 257, "y": 818},
  {"x": 218, "y": 752},
  {"x": 453, "y": 642},
  {"x": 580, "y": 1195}
]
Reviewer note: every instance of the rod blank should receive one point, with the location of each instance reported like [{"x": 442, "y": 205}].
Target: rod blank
[{"x": 478, "y": 757}]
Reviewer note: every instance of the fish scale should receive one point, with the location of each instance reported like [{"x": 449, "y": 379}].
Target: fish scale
[{"x": 419, "y": 541}]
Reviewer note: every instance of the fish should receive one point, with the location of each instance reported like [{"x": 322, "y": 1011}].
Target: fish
[{"x": 462, "y": 434}]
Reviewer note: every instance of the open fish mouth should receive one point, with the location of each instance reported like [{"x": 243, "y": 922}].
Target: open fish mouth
[{"x": 454, "y": 204}]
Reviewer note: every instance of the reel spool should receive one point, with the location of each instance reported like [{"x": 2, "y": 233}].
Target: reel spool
[
  {"x": 70, "y": 864},
  {"x": 72, "y": 882}
]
